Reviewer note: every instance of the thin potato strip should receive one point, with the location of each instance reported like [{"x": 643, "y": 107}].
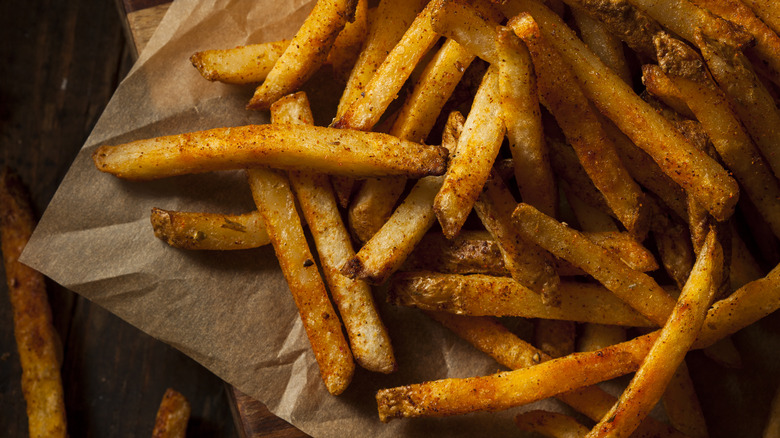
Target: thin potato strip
[
  {"x": 668, "y": 351},
  {"x": 597, "y": 336},
  {"x": 37, "y": 342},
  {"x": 751, "y": 101},
  {"x": 604, "y": 44},
  {"x": 240, "y": 65},
  {"x": 527, "y": 263},
  {"x": 388, "y": 79},
  {"x": 589, "y": 217},
  {"x": 172, "y": 416},
  {"x": 326, "y": 150},
  {"x": 699, "y": 174},
  {"x": 635, "y": 288},
  {"x": 561, "y": 94},
  {"x": 346, "y": 47},
  {"x": 627, "y": 248},
  {"x": 523, "y": 120},
  {"x": 374, "y": 201},
  {"x": 573, "y": 178},
  {"x": 387, "y": 250},
  {"x": 673, "y": 241},
  {"x": 209, "y": 231},
  {"x": 482, "y": 295},
  {"x": 682, "y": 406},
  {"x": 470, "y": 166},
  {"x": 768, "y": 11},
  {"x": 368, "y": 338},
  {"x": 551, "y": 424},
  {"x": 307, "y": 51},
  {"x": 508, "y": 389},
  {"x": 493, "y": 339},
  {"x": 685, "y": 69}
]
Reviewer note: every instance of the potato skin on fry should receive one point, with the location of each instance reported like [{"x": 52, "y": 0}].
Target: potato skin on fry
[{"x": 37, "y": 342}]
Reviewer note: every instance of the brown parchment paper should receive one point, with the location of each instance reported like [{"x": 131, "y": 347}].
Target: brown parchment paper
[{"x": 230, "y": 311}]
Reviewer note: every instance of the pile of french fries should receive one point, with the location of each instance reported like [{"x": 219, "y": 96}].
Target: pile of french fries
[{"x": 574, "y": 200}]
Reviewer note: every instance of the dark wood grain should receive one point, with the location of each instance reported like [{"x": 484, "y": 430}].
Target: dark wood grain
[{"x": 61, "y": 64}]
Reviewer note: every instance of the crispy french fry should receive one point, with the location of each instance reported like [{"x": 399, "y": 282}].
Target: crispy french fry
[
  {"x": 682, "y": 404},
  {"x": 527, "y": 263},
  {"x": 374, "y": 201},
  {"x": 346, "y": 47},
  {"x": 626, "y": 248},
  {"x": 38, "y": 344},
  {"x": 573, "y": 178},
  {"x": 635, "y": 288},
  {"x": 212, "y": 231},
  {"x": 668, "y": 351},
  {"x": 386, "y": 251},
  {"x": 240, "y": 65},
  {"x": 699, "y": 174},
  {"x": 307, "y": 51},
  {"x": 172, "y": 416},
  {"x": 768, "y": 11},
  {"x": 481, "y": 295},
  {"x": 368, "y": 338},
  {"x": 604, "y": 44},
  {"x": 589, "y": 217},
  {"x": 673, "y": 242},
  {"x": 523, "y": 120},
  {"x": 551, "y": 424},
  {"x": 470, "y": 166},
  {"x": 326, "y": 150}
]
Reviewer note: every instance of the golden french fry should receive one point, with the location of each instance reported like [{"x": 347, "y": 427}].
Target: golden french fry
[
  {"x": 327, "y": 150},
  {"x": 668, "y": 351},
  {"x": 470, "y": 252},
  {"x": 346, "y": 47},
  {"x": 699, "y": 174},
  {"x": 470, "y": 166},
  {"x": 240, "y": 65},
  {"x": 551, "y": 424},
  {"x": 673, "y": 241},
  {"x": 38, "y": 344},
  {"x": 211, "y": 231},
  {"x": 368, "y": 338},
  {"x": 768, "y": 11},
  {"x": 632, "y": 253},
  {"x": 635, "y": 288},
  {"x": 604, "y": 44},
  {"x": 172, "y": 416},
  {"x": 306, "y": 52},
  {"x": 598, "y": 336},
  {"x": 589, "y": 217},
  {"x": 681, "y": 404},
  {"x": 523, "y": 120},
  {"x": 481, "y": 295}
]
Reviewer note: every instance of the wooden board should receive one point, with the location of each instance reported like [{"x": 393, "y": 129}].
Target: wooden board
[{"x": 253, "y": 419}]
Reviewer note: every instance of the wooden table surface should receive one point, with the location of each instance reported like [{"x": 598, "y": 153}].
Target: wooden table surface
[{"x": 61, "y": 64}]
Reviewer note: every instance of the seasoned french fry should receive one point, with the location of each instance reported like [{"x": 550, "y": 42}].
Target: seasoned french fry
[
  {"x": 368, "y": 338},
  {"x": 470, "y": 252},
  {"x": 681, "y": 404},
  {"x": 374, "y": 201},
  {"x": 551, "y": 424},
  {"x": 699, "y": 174},
  {"x": 480, "y": 295},
  {"x": 37, "y": 342},
  {"x": 589, "y": 217},
  {"x": 240, "y": 65},
  {"x": 523, "y": 120},
  {"x": 626, "y": 248},
  {"x": 326, "y": 150},
  {"x": 751, "y": 100},
  {"x": 635, "y": 288},
  {"x": 470, "y": 166},
  {"x": 386, "y": 251},
  {"x": 668, "y": 351},
  {"x": 598, "y": 336},
  {"x": 768, "y": 11},
  {"x": 527, "y": 263},
  {"x": 212, "y": 231},
  {"x": 604, "y": 44},
  {"x": 172, "y": 416},
  {"x": 673, "y": 242},
  {"x": 307, "y": 51},
  {"x": 346, "y": 47}
]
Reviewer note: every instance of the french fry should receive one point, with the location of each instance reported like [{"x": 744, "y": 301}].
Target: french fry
[
  {"x": 326, "y": 150},
  {"x": 668, "y": 351},
  {"x": 626, "y": 248},
  {"x": 481, "y": 295},
  {"x": 374, "y": 201},
  {"x": 37, "y": 342},
  {"x": 240, "y": 65},
  {"x": 598, "y": 336},
  {"x": 368, "y": 338},
  {"x": 555, "y": 337},
  {"x": 751, "y": 100},
  {"x": 470, "y": 166},
  {"x": 712, "y": 109},
  {"x": 635, "y": 288},
  {"x": 209, "y": 231},
  {"x": 698, "y": 174},
  {"x": 604, "y": 44},
  {"x": 673, "y": 242},
  {"x": 386, "y": 251},
  {"x": 551, "y": 424},
  {"x": 523, "y": 120},
  {"x": 172, "y": 416},
  {"x": 527, "y": 263},
  {"x": 589, "y": 217},
  {"x": 681, "y": 404},
  {"x": 768, "y": 11},
  {"x": 307, "y": 51},
  {"x": 346, "y": 47}
]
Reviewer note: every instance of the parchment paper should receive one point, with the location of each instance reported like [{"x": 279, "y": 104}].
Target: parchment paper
[{"x": 230, "y": 311}]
